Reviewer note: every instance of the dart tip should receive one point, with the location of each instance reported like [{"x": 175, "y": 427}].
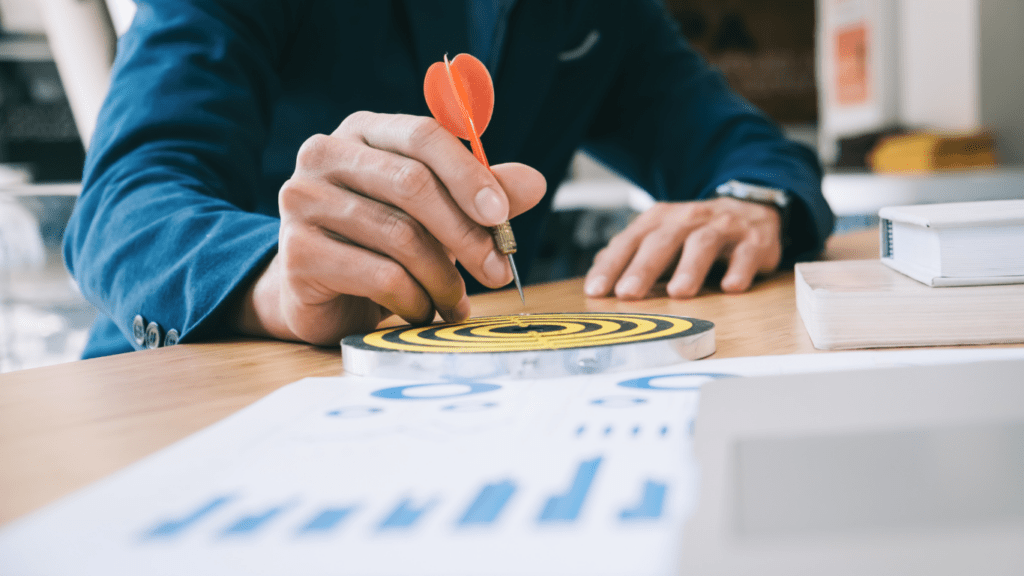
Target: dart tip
[{"x": 515, "y": 276}]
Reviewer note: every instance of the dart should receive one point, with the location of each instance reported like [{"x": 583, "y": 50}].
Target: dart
[{"x": 460, "y": 96}]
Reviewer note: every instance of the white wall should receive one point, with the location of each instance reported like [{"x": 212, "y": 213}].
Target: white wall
[
  {"x": 958, "y": 65},
  {"x": 1002, "y": 75},
  {"x": 939, "y": 62}
]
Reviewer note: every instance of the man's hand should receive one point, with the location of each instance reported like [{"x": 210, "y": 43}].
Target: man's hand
[
  {"x": 372, "y": 222},
  {"x": 688, "y": 237}
]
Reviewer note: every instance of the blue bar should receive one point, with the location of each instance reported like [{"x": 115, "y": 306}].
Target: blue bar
[
  {"x": 566, "y": 507},
  {"x": 404, "y": 515},
  {"x": 248, "y": 524},
  {"x": 650, "y": 504},
  {"x": 175, "y": 527},
  {"x": 489, "y": 503},
  {"x": 327, "y": 520}
]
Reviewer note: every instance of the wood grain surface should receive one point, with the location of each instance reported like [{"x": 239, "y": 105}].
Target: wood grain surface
[{"x": 63, "y": 427}]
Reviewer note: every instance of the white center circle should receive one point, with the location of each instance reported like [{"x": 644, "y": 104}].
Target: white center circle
[
  {"x": 680, "y": 381},
  {"x": 437, "y": 391}
]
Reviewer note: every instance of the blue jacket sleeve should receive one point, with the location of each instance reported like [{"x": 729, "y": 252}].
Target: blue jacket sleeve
[
  {"x": 166, "y": 226},
  {"x": 671, "y": 124}
]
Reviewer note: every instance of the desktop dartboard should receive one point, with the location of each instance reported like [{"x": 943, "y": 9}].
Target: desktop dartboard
[{"x": 551, "y": 344}]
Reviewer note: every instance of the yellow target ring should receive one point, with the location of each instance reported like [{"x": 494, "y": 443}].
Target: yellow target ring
[{"x": 529, "y": 333}]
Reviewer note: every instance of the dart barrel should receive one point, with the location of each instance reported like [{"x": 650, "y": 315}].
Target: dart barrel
[{"x": 503, "y": 238}]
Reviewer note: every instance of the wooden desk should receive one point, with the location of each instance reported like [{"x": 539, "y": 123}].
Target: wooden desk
[{"x": 63, "y": 427}]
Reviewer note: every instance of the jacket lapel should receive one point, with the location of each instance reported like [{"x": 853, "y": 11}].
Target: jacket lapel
[{"x": 527, "y": 67}]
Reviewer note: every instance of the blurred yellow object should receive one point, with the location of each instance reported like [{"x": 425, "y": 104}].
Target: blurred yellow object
[{"x": 931, "y": 151}]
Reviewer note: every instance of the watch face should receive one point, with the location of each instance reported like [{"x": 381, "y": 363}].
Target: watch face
[{"x": 754, "y": 193}]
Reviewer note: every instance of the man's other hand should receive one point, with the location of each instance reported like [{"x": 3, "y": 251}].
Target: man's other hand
[
  {"x": 372, "y": 222},
  {"x": 685, "y": 239}
]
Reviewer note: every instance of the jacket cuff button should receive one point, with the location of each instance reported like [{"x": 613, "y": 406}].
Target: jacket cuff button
[
  {"x": 139, "y": 330},
  {"x": 153, "y": 335},
  {"x": 171, "y": 338}
]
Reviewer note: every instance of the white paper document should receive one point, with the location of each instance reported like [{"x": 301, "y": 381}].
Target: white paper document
[{"x": 357, "y": 476}]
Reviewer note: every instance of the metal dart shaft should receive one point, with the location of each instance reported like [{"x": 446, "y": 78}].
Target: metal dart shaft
[
  {"x": 515, "y": 276},
  {"x": 506, "y": 243}
]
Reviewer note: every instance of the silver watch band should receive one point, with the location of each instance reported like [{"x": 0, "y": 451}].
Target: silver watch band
[{"x": 754, "y": 193}]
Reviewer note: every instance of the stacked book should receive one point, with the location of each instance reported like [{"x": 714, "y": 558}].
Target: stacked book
[
  {"x": 930, "y": 152},
  {"x": 947, "y": 274}
]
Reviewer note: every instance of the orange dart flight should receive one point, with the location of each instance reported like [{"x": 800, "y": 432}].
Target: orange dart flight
[{"x": 460, "y": 95}]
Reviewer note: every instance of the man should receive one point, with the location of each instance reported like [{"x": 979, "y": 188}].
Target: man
[{"x": 269, "y": 167}]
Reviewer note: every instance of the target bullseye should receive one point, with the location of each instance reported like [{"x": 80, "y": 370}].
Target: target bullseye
[{"x": 533, "y": 345}]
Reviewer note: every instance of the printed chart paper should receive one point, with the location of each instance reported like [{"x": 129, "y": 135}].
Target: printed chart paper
[{"x": 584, "y": 475}]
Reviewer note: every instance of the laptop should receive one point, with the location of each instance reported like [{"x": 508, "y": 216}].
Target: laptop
[{"x": 907, "y": 470}]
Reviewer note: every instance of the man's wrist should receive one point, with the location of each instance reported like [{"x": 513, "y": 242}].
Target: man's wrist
[
  {"x": 777, "y": 198},
  {"x": 258, "y": 310}
]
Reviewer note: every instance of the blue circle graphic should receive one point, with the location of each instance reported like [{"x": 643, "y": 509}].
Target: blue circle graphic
[
  {"x": 646, "y": 383},
  {"x": 399, "y": 392}
]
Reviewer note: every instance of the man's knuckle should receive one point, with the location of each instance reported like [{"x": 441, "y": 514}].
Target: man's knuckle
[
  {"x": 354, "y": 121},
  {"x": 412, "y": 180},
  {"x": 700, "y": 211},
  {"x": 291, "y": 196},
  {"x": 315, "y": 151},
  {"x": 422, "y": 132},
  {"x": 389, "y": 278},
  {"x": 706, "y": 236},
  {"x": 294, "y": 244},
  {"x": 402, "y": 231},
  {"x": 728, "y": 221},
  {"x": 762, "y": 240}
]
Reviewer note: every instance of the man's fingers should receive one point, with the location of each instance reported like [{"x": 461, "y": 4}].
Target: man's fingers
[
  {"x": 659, "y": 250},
  {"x": 524, "y": 186},
  {"x": 754, "y": 254},
  {"x": 470, "y": 183},
  {"x": 384, "y": 229},
  {"x": 743, "y": 266},
  {"x": 410, "y": 186},
  {"x": 610, "y": 262},
  {"x": 321, "y": 269},
  {"x": 701, "y": 249}
]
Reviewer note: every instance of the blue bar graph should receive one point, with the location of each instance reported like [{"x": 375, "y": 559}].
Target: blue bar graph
[
  {"x": 405, "y": 515},
  {"x": 326, "y": 520},
  {"x": 174, "y": 527},
  {"x": 488, "y": 504},
  {"x": 566, "y": 507},
  {"x": 650, "y": 506},
  {"x": 247, "y": 525}
]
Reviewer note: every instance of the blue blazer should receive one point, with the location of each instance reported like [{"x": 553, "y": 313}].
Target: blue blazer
[{"x": 211, "y": 99}]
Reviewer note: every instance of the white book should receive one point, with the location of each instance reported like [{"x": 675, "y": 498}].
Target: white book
[
  {"x": 957, "y": 243},
  {"x": 864, "y": 304}
]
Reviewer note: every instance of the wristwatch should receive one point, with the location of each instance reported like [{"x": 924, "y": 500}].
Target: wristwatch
[{"x": 774, "y": 197}]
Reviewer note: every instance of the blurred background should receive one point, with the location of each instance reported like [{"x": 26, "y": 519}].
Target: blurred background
[{"x": 906, "y": 101}]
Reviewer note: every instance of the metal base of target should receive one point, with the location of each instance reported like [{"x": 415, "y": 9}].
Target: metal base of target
[{"x": 528, "y": 346}]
